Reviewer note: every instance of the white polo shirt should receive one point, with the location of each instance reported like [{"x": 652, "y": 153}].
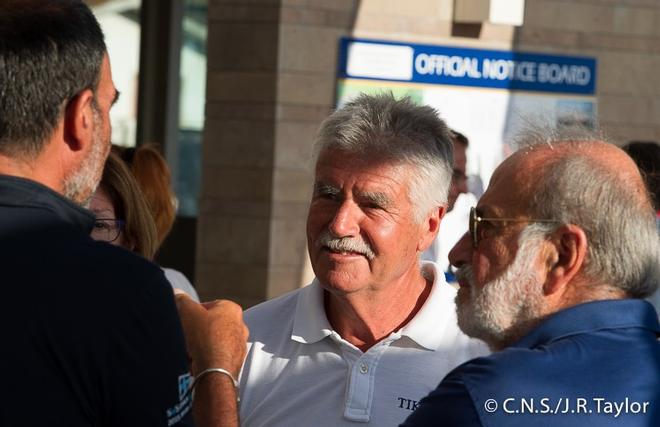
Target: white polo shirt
[{"x": 300, "y": 372}]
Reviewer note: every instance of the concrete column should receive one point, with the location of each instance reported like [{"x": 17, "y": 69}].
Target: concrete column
[{"x": 271, "y": 80}]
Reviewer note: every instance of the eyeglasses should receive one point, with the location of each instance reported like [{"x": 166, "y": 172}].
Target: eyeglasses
[
  {"x": 107, "y": 229},
  {"x": 475, "y": 219}
]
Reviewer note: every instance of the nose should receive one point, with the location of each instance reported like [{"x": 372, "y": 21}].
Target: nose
[
  {"x": 461, "y": 253},
  {"x": 345, "y": 222}
]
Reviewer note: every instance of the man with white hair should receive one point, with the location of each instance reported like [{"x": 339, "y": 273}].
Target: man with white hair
[
  {"x": 561, "y": 251},
  {"x": 376, "y": 330}
]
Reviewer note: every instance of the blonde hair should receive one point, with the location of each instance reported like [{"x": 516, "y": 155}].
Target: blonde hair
[
  {"x": 153, "y": 176},
  {"x": 139, "y": 231}
]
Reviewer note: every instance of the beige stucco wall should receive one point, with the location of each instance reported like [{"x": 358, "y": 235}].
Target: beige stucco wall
[
  {"x": 271, "y": 81},
  {"x": 624, "y": 36}
]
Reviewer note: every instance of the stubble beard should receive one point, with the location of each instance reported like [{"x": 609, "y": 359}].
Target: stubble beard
[
  {"x": 81, "y": 184},
  {"x": 506, "y": 308}
]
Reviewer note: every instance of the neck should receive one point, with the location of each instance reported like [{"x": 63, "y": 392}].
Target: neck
[
  {"x": 38, "y": 170},
  {"x": 581, "y": 292},
  {"x": 366, "y": 317},
  {"x": 15, "y": 167}
]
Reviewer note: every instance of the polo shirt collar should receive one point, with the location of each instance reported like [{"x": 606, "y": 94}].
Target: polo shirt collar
[
  {"x": 21, "y": 192},
  {"x": 310, "y": 324},
  {"x": 592, "y": 316},
  {"x": 438, "y": 313}
]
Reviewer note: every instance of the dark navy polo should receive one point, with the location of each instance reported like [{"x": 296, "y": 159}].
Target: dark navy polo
[
  {"x": 595, "y": 364},
  {"x": 90, "y": 333}
]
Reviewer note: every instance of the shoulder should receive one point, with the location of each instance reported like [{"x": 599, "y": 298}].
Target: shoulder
[
  {"x": 450, "y": 402},
  {"x": 272, "y": 313},
  {"x": 123, "y": 270},
  {"x": 517, "y": 371},
  {"x": 116, "y": 281},
  {"x": 501, "y": 367}
]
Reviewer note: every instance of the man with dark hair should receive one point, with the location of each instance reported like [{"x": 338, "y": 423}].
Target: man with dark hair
[
  {"x": 91, "y": 334},
  {"x": 561, "y": 250}
]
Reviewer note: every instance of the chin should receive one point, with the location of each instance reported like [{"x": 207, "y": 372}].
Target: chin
[
  {"x": 339, "y": 282},
  {"x": 335, "y": 285}
]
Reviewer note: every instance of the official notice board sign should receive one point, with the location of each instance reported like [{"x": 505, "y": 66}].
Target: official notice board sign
[{"x": 486, "y": 94}]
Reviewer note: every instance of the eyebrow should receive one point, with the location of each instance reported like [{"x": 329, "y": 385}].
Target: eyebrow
[
  {"x": 372, "y": 197},
  {"x": 101, "y": 211},
  {"x": 376, "y": 198},
  {"x": 322, "y": 187}
]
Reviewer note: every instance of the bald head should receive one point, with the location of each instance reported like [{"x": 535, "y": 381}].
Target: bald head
[
  {"x": 533, "y": 162},
  {"x": 590, "y": 183}
]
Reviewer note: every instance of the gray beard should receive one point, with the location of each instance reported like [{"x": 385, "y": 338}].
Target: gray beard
[
  {"x": 81, "y": 184},
  {"x": 509, "y": 306}
]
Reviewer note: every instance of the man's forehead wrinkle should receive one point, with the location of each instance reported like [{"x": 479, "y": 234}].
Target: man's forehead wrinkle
[{"x": 377, "y": 177}]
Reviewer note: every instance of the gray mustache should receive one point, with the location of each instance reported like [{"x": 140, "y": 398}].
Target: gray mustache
[
  {"x": 465, "y": 273},
  {"x": 345, "y": 244}
]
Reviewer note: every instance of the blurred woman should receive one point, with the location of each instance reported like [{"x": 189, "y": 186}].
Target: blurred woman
[
  {"x": 154, "y": 179},
  {"x": 124, "y": 218},
  {"x": 152, "y": 175}
]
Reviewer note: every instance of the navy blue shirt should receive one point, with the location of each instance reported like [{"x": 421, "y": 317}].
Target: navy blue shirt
[
  {"x": 595, "y": 364},
  {"x": 90, "y": 333}
]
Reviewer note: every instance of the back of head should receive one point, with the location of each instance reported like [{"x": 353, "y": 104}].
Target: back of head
[
  {"x": 49, "y": 52},
  {"x": 130, "y": 206},
  {"x": 583, "y": 180},
  {"x": 646, "y": 154},
  {"x": 153, "y": 176},
  {"x": 380, "y": 128}
]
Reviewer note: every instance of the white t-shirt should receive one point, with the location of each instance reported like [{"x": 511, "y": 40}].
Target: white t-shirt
[{"x": 300, "y": 372}]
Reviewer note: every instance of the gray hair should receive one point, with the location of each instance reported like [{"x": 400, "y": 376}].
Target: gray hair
[
  {"x": 382, "y": 128},
  {"x": 624, "y": 247},
  {"x": 50, "y": 51}
]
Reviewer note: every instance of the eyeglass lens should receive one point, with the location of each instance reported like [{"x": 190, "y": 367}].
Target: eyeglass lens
[{"x": 106, "y": 230}]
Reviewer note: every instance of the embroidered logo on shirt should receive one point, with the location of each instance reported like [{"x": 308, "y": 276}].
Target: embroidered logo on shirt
[
  {"x": 408, "y": 404},
  {"x": 178, "y": 411}
]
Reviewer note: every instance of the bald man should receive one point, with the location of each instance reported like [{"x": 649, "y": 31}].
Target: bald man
[{"x": 561, "y": 250}]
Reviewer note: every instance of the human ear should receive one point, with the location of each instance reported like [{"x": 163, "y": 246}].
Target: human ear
[
  {"x": 430, "y": 227},
  {"x": 566, "y": 257},
  {"x": 79, "y": 122}
]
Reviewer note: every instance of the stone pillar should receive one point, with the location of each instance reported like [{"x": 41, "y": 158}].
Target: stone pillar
[{"x": 271, "y": 81}]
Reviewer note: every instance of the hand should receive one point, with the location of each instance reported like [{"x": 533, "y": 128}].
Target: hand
[{"x": 215, "y": 334}]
